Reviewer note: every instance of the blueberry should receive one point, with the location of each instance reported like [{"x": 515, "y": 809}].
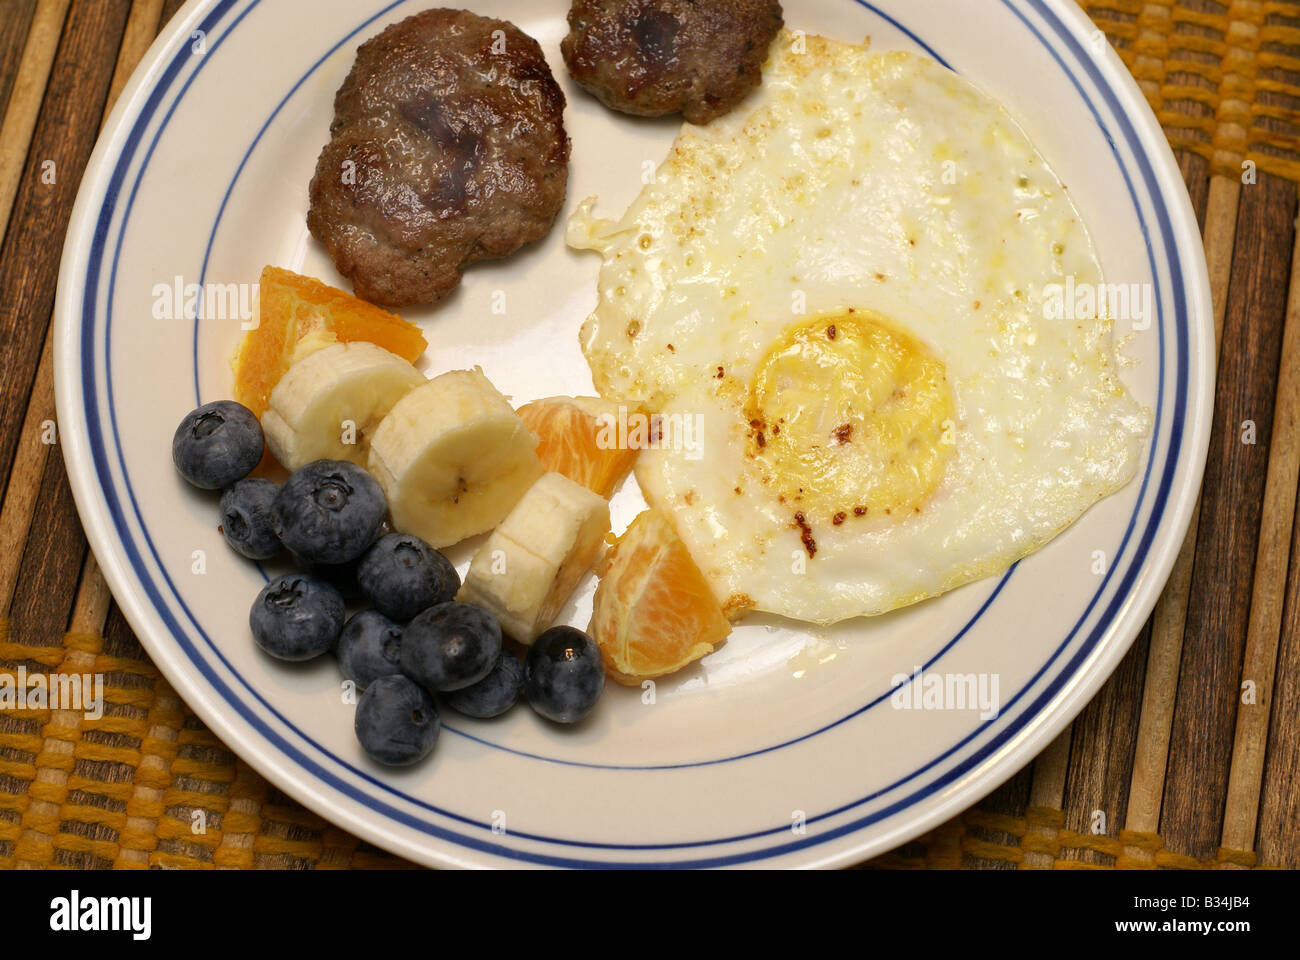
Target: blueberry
[
  {"x": 494, "y": 694},
  {"x": 369, "y": 648},
  {"x": 296, "y": 617},
  {"x": 217, "y": 444},
  {"x": 450, "y": 646},
  {"x": 329, "y": 511},
  {"x": 403, "y": 575},
  {"x": 564, "y": 674},
  {"x": 396, "y": 722},
  {"x": 246, "y": 518}
]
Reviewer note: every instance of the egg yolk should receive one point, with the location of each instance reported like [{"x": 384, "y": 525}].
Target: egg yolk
[{"x": 851, "y": 417}]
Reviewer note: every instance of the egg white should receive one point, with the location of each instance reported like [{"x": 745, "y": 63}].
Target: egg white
[{"x": 889, "y": 185}]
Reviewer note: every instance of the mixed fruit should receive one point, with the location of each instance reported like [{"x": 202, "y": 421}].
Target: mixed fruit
[{"x": 385, "y": 469}]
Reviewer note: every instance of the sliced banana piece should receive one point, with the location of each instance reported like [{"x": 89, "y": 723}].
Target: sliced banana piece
[
  {"x": 453, "y": 458},
  {"x": 530, "y": 565},
  {"x": 327, "y": 405}
]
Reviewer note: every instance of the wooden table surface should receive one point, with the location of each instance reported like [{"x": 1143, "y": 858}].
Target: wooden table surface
[{"x": 1171, "y": 765}]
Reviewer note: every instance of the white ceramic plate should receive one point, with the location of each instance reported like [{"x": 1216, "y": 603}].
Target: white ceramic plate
[{"x": 783, "y": 747}]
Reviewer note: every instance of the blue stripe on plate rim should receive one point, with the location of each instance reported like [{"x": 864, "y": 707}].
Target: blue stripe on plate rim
[{"x": 1014, "y": 723}]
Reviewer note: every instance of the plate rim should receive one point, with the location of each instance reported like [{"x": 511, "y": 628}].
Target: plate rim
[{"x": 1037, "y": 730}]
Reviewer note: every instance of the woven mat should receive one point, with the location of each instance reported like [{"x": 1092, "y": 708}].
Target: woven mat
[
  {"x": 1164, "y": 769},
  {"x": 1223, "y": 78}
]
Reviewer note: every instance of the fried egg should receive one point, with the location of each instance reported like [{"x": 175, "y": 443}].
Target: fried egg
[{"x": 841, "y": 296}]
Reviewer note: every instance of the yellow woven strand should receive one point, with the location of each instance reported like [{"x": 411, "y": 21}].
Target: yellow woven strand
[{"x": 243, "y": 821}]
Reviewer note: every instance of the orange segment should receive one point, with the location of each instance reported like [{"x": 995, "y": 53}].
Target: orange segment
[
  {"x": 653, "y": 612},
  {"x": 578, "y": 443},
  {"x": 293, "y": 307}
]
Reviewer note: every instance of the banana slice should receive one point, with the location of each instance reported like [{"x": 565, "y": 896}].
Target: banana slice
[
  {"x": 527, "y": 569},
  {"x": 327, "y": 405},
  {"x": 453, "y": 458}
]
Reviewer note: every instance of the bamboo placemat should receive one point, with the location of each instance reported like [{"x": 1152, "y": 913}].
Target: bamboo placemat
[{"x": 1169, "y": 766}]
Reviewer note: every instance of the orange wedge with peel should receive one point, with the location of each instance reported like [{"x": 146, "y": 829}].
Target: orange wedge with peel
[
  {"x": 653, "y": 612},
  {"x": 297, "y": 314}
]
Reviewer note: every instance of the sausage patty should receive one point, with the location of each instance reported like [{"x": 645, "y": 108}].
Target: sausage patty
[
  {"x": 447, "y": 146},
  {"x": 655, "y": 57}
]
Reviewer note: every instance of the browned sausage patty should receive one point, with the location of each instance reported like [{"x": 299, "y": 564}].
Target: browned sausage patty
[
  {"x": 654, "y": 57},
  {"x": 448, "y": 146}
]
